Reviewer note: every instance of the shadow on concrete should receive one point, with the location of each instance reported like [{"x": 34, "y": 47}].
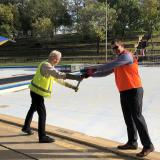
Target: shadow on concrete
[
  {"x": 29, "y": 142},
  {"x": 15, "y": 135},
  {"x": 65, "y": 154}
]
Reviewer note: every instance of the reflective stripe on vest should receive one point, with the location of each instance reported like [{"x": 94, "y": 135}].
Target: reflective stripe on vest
[
  {"x": 40, "y": 88},
  {"x": 40, "y": 84},
  {"x": 127, "y": 76}
]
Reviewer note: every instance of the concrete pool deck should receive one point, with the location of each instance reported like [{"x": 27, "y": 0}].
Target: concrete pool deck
[{"x": 68, "y": 145}]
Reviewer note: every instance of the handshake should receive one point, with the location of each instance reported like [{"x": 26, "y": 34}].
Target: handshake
[
  {"x": 87, "y": 72},
  {"x": 84, "y": 73}
]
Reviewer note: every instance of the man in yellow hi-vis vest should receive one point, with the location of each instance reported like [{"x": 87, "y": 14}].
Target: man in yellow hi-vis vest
[{"x": 40, "y": 87}]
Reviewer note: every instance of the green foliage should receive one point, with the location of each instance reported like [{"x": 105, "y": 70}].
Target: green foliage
[
  {"x": 74, "y": 7},
  {"x": 151, "y": 16},
  {"x": 111, "y": 18},
  {"x": 6, "y": 20},
  {"x": 27, "y": 13},
  {"x": 87, "y": 17},
  {"x": 6, "y": 30},
  {"x": 7, "y": 1},
  {"x": 102, "y": 1},
  {"x": 129, "y": 16},
  {"x": 16, "y": 18},
  {"x": 55, "y": 10},
  {"x": 6, "y": 15},
  {"x": 42, "y": 27},
  {"x": 111, "y": 2},
  {"x": 93, "y": 20},
  {"x": 98, "y": 20}
]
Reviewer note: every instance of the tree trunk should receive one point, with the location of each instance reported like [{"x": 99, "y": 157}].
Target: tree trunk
[{"x": 98, "y": 45}]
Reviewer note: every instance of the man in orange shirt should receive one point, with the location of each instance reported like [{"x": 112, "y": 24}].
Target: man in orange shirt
[{"x": 125, "y": 68}]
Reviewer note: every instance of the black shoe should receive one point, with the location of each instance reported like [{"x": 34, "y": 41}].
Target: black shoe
[
  {"x": 46, "y": 139},
  {"x": 27, "y": 131},
  {"x": 128, "y": 146},
  {"x": 145, "y": 152}
]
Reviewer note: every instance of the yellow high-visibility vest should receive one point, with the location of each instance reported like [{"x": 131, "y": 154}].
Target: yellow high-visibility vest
[{"x": 40, "y": 84}]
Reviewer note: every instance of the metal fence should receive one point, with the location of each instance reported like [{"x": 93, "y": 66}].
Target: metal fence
[
  {"x": 152, "y": 57},
  {"x": 69, "y": 59}
]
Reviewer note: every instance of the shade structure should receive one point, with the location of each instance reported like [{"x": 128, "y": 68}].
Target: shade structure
[{"x": 3, "y": 40}]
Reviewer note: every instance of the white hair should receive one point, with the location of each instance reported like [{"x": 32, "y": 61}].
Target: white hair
[{"x": 55, "y": 53}]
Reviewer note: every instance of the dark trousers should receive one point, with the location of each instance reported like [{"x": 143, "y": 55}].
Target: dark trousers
[
  {"x": 37, "y": 105},
  {"x": 131, "y": 102}
]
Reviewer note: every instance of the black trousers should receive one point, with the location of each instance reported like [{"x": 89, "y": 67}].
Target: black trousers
[
  {"x": 131, "y": 103},
  {"x": 36, "y": 105}
]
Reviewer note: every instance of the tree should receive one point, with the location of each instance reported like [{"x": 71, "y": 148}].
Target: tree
[
  {"x": 111, "y": 2},
  {"x": 128, "y": 16},
  {"x": 6, "y": 2},
  {"x": 75, "y": 7},
  {"x": 6, "y": 20},
  {"x": 93, "y": 21},
  {"x": 98, "y": 22},
  {"x": 55, "y": 10},
  {"x": 111, "y": 19},
  {"x": 103, "y": 1},
  {"x": 151, "y": 16},
  {"x": 21, "y": 17},
  {"x": 42, "y": 27},
  {"x": 24, "y": 16}
]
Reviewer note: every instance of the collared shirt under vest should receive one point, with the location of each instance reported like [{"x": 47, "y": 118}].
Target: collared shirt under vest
[{"x": 127, "y": 76}]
